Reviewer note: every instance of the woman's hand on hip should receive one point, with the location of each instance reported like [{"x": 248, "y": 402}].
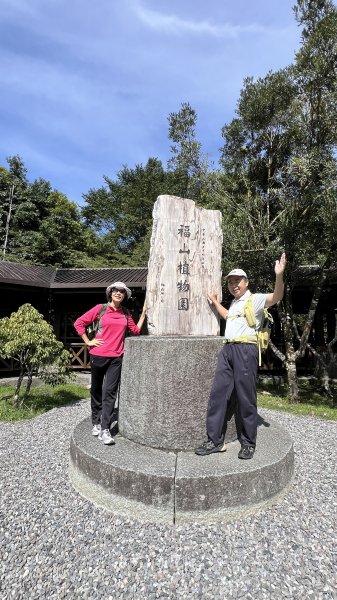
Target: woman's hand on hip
[{"x": 95, "y": 342}]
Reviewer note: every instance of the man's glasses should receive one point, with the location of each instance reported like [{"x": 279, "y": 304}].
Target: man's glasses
[{"x": 116, "y": 290}]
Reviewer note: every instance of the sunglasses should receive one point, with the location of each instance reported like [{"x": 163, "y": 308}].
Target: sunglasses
[{"x": 116, "y": 290}]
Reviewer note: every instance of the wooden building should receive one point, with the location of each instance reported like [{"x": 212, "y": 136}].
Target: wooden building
[{"x": 61, "y": 295}]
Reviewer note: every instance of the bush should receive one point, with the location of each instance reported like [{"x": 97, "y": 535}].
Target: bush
[{"x": 27, "y": 338}]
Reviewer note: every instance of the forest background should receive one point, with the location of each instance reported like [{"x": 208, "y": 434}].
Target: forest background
[{"x": 275, "y": 186}]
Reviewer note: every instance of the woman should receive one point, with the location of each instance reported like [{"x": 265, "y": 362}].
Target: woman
[{"x": 106, "y": 355}]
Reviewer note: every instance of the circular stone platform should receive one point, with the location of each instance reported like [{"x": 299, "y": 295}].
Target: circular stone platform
[{"x": 178, "y": 486}]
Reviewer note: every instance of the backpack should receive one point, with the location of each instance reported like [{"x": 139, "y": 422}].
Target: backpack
[
  {"x": 264, "y": 331},
  {"x": 94, "y": 327}
]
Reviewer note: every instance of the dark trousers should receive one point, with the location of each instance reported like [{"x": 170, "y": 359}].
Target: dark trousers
[
  {"x": 236, "y": 369},
  {"x": 105, "y": 377}
]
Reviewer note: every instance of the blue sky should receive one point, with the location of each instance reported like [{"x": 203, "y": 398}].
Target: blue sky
[{"x": 87, "y": 87}]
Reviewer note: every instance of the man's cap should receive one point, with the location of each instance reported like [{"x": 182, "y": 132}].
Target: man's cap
[
  {"x": 237, "y": 273},
  {"x": 119, "y": 284}
]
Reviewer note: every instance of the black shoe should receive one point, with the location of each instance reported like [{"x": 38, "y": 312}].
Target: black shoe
[
  {"x": 208, "y": 447},
  {"x": 246, "y": 452}
]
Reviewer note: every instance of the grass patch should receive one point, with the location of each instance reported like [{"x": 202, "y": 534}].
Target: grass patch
[
  {"x": 311, "y": 402},
  {"x": 45, "y": 397},
  {"x": 40, "y": 400}
]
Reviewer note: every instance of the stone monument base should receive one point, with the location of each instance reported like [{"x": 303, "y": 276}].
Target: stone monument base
[
  {"x": 152, "y": 484},
  {"x": 165, "y": 386}
]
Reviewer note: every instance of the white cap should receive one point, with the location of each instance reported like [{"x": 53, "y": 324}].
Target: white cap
[
  {"x": 237, "y": 273},
  {"x": 119, "y": 284}
]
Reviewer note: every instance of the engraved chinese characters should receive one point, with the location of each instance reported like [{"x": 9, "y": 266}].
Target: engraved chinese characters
[
  {"x": 184, "y": 269},
  {"x": 184, "y": 265}
]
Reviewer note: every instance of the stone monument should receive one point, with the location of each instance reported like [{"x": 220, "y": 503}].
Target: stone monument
[
  {"x": 152, "y": 471},
  {"x": 172, "y": 368},
  {"x": 184, "y": 266}
]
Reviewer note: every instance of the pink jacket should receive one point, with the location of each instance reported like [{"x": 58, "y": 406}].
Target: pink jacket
[{"x": 113, "y": 326}]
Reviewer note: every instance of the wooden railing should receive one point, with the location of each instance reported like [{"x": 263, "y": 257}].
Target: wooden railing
[
  {"x": 80, "y": 356},
  {"x": 80, "y": 359}
]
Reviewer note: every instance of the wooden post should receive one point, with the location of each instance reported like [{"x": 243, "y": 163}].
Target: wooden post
[{"x": 184, "y": 265}]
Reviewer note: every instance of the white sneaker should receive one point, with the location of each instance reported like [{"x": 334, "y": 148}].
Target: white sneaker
[
  {"x": 96, "y": 429},
  {"x": 106, "y": 437}
]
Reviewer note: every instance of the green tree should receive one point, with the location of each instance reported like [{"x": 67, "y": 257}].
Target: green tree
[
  {"x": 62, "y": 240},
  {"x": 41, "y": 226},
  {"x": 27, "y": 338},
  {"x": 280, "y": 161},
  {"x": 310, "y": 179},
  {"x": 13, "y": 187},
  {"x": 189, "y": 166},
  {"x": 257, "y": 145},
  {"x": 121, "y": 211}
]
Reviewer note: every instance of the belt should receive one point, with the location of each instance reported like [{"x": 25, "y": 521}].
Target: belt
[{"x": 244, "y": 339}]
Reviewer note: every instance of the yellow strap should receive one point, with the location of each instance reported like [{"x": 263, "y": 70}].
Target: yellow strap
[
  {"x": 249, "y": 312},
  {"x": 243, "y": 339}
]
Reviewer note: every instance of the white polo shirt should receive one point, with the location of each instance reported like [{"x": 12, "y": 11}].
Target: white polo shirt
[{"x": 238, "y": 326}]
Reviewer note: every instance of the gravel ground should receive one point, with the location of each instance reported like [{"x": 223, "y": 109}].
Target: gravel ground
[{"x": 55, "y": 544}]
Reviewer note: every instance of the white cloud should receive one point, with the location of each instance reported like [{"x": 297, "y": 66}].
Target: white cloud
[
  {"x": 87, "y": 87},
  {"x": 166, "y": 23}
]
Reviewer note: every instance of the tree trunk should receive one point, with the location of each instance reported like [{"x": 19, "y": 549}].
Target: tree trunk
[
  {"x": 277, "y": 352},
  {"x": 18, "y": 387},
  {"x": 292, "y": 379},
  {"x": 290, "y": 354},
  {"x": 312, "y": 310},
  {"x": 290, "y": 328},
  {"x": 322, "y": 362},
  {"x": 8, "y": 220},
  {"x": 27, "y": 390}
]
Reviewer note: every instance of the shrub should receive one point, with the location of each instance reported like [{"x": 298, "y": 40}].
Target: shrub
[{"x": 27, "y": 338}]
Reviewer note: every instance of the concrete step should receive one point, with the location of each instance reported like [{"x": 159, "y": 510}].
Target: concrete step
[{"x": 178, "y": 486}]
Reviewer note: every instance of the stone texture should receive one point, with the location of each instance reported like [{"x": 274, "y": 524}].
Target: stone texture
[
  {"x": 222, "y": 481},
  {"x": 184, "y": 266},
  {"x": 134, "y": 473},
  {"x": 164, "y": 391},
  {"x": 157, "y": 485},
  {"x": 57, "y": 545}
]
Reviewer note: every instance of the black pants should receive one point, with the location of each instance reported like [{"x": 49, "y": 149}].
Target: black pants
[
  {"x": 105, "y": 377},
  {"x": 236, "y": 368}
]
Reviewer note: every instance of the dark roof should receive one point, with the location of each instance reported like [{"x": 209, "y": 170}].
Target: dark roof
[
  {"x": 47, "y": 277},
  {"x": 89, "y": 278},
  {"x": 31, "y": 275}
]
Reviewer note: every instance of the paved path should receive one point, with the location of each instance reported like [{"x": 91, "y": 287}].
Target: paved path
[{"x": 55, "y": 544}]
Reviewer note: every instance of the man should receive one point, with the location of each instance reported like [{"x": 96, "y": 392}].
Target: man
[{"x": 238, "y": 362}]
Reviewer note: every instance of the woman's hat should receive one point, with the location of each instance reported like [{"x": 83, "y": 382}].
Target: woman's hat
[{"x": 119, "y": 284}]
